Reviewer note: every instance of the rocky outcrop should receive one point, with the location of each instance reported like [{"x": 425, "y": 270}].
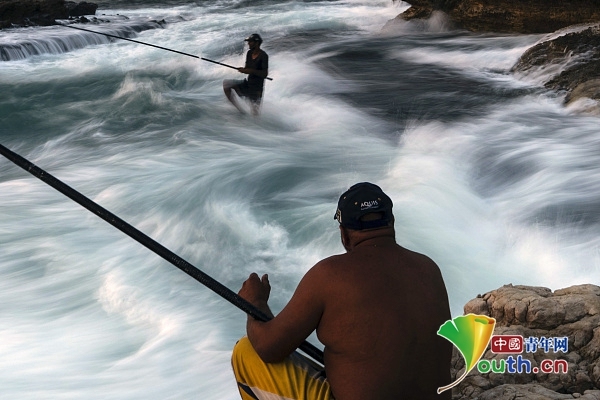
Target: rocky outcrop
[
  {"x": 525, "y": 16},
  {"x": 577, "y": 54},
  {"x": 537, "y": 312},
  {"x": 80, "y": 9},
  {"x": 40, "y": 12}
]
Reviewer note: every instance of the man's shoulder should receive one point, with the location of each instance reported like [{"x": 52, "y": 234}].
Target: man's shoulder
[
  {"x": 332, "y": 261},
  {"x": 328, "y": 268},
  {"x": 326, "y": 264}
]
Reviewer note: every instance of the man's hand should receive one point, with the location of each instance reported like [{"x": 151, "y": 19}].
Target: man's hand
[
  {"x": 244, "y": 70},
  {"x": 256, "y": 291}
]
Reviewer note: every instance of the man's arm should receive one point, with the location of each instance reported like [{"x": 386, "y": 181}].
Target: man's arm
[
  {"x": 276, "y": 339},
  {"x": 258, "y": 72},
  {"x": 262, "y": 73}
]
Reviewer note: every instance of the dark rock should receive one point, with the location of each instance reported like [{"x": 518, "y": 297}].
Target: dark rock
[
  {"x": 31, "y": 12},
  {"x": 532, "y": 392},
  {"x": 536, "y": 311},
  {"x": 576, "y": 55},
  {"x": 81, "y": 9},
  {"x": 40, "y": 12},
  {"x": 525, "y": 16}
]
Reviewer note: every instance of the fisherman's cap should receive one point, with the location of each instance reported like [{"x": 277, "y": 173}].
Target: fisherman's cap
[
  {"x": 361, "y": 199},
  {"x": 255, "y": 37}
]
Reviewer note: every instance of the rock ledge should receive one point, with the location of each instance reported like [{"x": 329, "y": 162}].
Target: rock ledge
[
  {"x": 525, "y": 16},
  {"x": 538, "y": 312},
  {"x": 16, "y": 13}
]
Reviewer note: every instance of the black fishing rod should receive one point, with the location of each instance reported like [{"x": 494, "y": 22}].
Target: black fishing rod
[
  {"x": 151, "y": 244},
  {"x": 153, "y": 45}
]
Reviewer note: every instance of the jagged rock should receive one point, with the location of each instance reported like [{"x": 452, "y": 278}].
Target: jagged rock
[
  {"x": 532, "y": 392},
  {"x": 39, "y": 12},
  {"x": 576, "y": 55},
  {"x": 538, "y": 312},
  {"x": 81, "y": 9},
  {"x": 588, "y": 89},
  {"x": 28, "y": 12},
  {"x": 578, "y": 51},
  {"x": 525, "y": 16}
]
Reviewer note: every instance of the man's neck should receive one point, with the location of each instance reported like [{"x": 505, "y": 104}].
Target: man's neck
[
  {"x": 372, "y": 237},
  {"x": 375, "y": 241}
]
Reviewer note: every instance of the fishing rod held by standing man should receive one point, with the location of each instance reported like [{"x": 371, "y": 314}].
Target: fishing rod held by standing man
[{"x": 153, "y": 45}]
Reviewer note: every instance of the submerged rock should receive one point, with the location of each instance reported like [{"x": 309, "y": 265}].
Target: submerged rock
[
  {"x": 537, "y": 312},
  {"x": 576, "y": 57},
  {"x": 525, "y": 16},
  {"x": 40, "y": 12}
]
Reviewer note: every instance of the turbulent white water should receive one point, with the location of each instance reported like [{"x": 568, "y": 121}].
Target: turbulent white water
[{"x": 491, "y": 176}]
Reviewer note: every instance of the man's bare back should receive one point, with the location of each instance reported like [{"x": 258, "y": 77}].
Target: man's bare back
[
  {"x": 383, "y": 306},
  {"x": 376, "y": 309}
]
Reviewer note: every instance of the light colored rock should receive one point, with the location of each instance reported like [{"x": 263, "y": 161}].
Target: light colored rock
[{"x": 538, "y": 312}]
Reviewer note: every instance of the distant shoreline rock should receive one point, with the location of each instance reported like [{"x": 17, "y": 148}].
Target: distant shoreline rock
[
  {"x": 502, "y": 16},
  {"x": 20, "y": 13},
  {"x": 538, "y": 312},
  {"x": 578, "y": 50}
]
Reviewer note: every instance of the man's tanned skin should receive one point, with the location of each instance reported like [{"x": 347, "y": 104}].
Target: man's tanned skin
[{"x": 376, "y": 308}]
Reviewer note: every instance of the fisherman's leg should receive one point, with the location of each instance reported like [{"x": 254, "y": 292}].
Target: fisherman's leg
[
  {"x": 255, "y": 105},
  {"x": 294, "y": 378},
  {"x": 255, "y": 101},
  {"x": 228, "y": 86}
]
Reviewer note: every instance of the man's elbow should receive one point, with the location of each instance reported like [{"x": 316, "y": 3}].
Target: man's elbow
[
  {"x": 269, "y": 354},
  {"x": 268, "y": 347}
]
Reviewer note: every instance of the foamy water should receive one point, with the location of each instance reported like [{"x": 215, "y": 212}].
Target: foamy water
[{"x": 491, "y": 177}]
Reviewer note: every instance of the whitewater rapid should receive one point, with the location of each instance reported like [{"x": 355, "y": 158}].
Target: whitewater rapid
[{"x": 490, "y": 174}]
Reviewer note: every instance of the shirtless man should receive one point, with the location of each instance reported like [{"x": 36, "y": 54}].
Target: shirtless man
[
  {"x": 376, "y": 309},
  {"x": 257, "y": 69}
]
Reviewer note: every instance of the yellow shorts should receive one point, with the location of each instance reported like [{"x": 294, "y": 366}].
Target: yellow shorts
[{"x": 295, "y": 378}]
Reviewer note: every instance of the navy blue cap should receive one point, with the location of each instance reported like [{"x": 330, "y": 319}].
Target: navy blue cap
[
  {"x": 362, "y": 199},
  {"x": 255, "y": 37}
]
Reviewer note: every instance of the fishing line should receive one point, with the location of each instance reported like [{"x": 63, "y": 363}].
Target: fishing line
[
  {"x": 150, "y": 243},
  {"x": 153, "y": 45}
]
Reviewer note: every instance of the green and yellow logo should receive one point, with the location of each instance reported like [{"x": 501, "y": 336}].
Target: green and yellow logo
[{"x": 471, "y": 335}]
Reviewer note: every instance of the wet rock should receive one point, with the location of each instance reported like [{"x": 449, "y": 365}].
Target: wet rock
[
  {"x": 81, "y": 9},
  {"x": 576, "y": 58},
  {"x": 31, "y": 12},
  {"x": 526, "y": 16},
  {"x": 573, "y": 52},
  {"x": 538, "y": 312},
  {"x": 533, "y": 392},
  {"x": 588, "y": 89},
  {"x": 40, "y": 12}
]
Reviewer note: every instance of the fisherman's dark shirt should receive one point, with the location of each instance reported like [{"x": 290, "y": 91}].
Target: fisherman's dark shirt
[{"x": 261, "y": 63}]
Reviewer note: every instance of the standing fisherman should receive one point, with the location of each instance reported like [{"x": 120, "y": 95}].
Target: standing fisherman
[{"x": 257, "y": 69}]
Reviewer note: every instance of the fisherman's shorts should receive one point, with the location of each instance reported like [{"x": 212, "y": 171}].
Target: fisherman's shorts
[
  {"x": 295, "y": 378},
  {"x": 243, "y": 88}
]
